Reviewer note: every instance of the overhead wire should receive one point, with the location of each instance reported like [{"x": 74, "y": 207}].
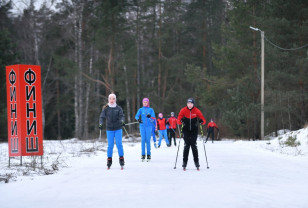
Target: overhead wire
[{"x": 286, "y": 49}]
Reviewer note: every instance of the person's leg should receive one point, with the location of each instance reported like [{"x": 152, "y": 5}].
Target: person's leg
[
  {"x": 143, "y": 139},
  {"x": 160, "y": 137},
  {"x": 166, "y": 137},
  {"x": 193, "y": 139},
  {"x": 213, "y": 136},
  {"x": 173, "y": 135},
  {"x": 118, "y": 137},
  {"x": 148, "y": 139},
  {"x": 169, "y": 135},
  {"x": 110, "y": 138},
  {"x": 186, "y": 147},
  {"x": 208, "y": 135},
  {"x": 153, "y": 134}
]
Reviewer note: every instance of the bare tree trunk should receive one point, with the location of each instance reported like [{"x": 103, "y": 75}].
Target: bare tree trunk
[
  {"x": 97, "y": 97},
  {"x": 58, "y": 105},
  {"x": 280, "y": 102},
  {"x": 289, "y": 113},
  {"x": 204, "y": 46},
  {"x": 111, "y": 68},
  {"x": 76, "y": 93},
  {"x": 159, "y": 60},
  {"x": 127, "y": 98},
  {"x": 138, "y": 56},
  {"x": 86, "y": 116},
  {"x": 80, "y": 64}
]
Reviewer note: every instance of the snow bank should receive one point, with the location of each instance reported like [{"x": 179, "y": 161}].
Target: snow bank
[
  {"x": 58, "y": 154},
  {"x": 292, "y": 143}
]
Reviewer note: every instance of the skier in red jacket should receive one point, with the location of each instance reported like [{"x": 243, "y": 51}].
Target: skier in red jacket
[
  {"x": 172, "y": 128},
  {"x": 210, "y": 130},
  {"x": 189, "y": 117},
  {"x": 162, "y": 129}
]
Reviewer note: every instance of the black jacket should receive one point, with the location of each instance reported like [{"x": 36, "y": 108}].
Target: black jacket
[{"x": 114, "y": 117}]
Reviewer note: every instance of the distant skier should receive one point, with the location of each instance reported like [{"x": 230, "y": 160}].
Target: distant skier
[
  {"x": 189, "y": 117},
  {"x": 172, "y": 128},
  {"x": 210, "y": 129},
  {"x": 162, "y": 130},
  {"x": 146, "y": 116},
  {"x": 114, "y": 121}
]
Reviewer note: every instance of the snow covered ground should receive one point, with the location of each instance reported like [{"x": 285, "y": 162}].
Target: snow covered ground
[{"x": 242, "y": 174}]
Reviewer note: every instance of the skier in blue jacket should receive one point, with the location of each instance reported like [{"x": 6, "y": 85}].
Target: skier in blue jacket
[
  {"x": 114, "y": 121},
  {"x": 146, "y": 116}
]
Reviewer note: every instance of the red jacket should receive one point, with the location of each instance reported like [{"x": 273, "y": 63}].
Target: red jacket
[
  {"x": 212, "y": 124},
  {"x": 190, "y": 117},
  {"x": 172, "y": 122},
  {"x": 161, "y": 123}
]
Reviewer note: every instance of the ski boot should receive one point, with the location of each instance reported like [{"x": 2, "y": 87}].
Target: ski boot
[
  {"x": 159, "y": 146},
  {"x": 121, "y": 160},
  {"x": 184, "y": 165},
  {"x": 142, "y": 158},
  {"x": 197, "y": 165},
  {"x": 109, "y": 162},
  {"x": 148, "y": 158}
]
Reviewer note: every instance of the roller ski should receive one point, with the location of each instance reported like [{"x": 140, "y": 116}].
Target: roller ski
[
  {"x": 109, "y": 163},
  {"x": 142, "y": 158},
  {"x": 148, "y": 158},
  {"x": 121, "y": 160}
]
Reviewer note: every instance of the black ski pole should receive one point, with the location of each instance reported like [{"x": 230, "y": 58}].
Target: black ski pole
[
  {"x": 205, "y": 156},
  {"x": 207, "y": 164},
  {"x": 176, "y": 160}
]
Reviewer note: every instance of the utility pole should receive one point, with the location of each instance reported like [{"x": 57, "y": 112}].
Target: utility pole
[
  {"x": 262, "y": 80},
  {"x": 262, "y": 85}
]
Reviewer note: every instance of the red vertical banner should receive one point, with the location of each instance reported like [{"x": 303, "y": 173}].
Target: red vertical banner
[{"x": 24, "y": 104}]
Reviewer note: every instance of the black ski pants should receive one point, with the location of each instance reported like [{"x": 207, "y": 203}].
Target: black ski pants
[
  {"x": 210, "y": 132},
  {"x": 172, "y": 135},
  {"x": 190, "y": 139}
]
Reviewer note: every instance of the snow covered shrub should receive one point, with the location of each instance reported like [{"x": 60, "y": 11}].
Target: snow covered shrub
[{"x": 291, "y": 142}]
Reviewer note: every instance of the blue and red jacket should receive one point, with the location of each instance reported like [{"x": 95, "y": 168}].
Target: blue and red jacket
[
  {"x": 161, "y": 124},
  {"x": 190, "y": 118},
  {"x": 172, "y": 122},
  {"x": 142, "y": 113}
]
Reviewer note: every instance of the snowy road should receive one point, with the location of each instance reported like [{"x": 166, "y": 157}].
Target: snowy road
[{"x": 240, "y": 176}]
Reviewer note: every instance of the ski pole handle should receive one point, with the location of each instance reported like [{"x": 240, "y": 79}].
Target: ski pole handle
[{"x": 201, "y": 130}]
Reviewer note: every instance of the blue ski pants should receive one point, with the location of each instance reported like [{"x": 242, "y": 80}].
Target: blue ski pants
[
  {"x": 163, "y": 133},
  {"x": 153, "y": 135},
  {"x": 146, "y": 132},
  {"x": 117, "y": 136}
]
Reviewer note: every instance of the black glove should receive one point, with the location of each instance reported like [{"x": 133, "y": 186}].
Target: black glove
[
  {"x": 201, "y": 121},
  {"x": 100, "y": 126},
  {"x": 123, "y": 124},
  {"x": 148, "y": 116},
  {"x": 217, "y": 129},
  {"x": 139, "y": 120}
]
